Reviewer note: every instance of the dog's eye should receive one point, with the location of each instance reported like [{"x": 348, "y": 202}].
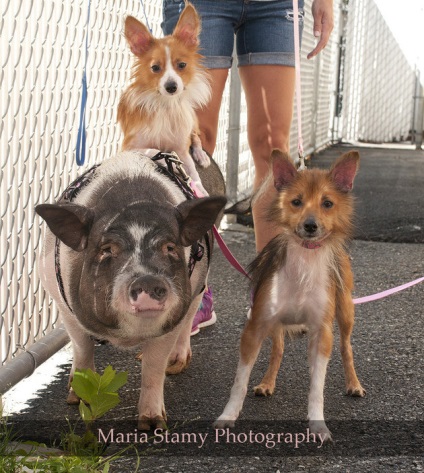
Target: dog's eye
[
  {"x": 327, "y": 204},
  {"x": 296, "y": 202},
  {"x": 182, "y": 65},
  {"x": 155, "y": 68}
]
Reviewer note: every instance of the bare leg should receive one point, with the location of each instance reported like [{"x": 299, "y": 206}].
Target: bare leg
[
  {"x": 269, "y": 94},
  {"x": 208, "y": 116}
]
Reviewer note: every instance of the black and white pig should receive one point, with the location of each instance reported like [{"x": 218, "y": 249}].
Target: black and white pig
[{"x": 123, "y": 249}]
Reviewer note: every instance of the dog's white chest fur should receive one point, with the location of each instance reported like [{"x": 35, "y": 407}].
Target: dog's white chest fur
[{"x": 299, "y": 292}]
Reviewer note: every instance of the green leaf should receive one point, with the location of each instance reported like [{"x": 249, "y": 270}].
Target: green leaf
[
  {"x": 106, "y": 378},
  {"x": 117, "y": 382},
  {"x": 85, "y": 384},
  {"x": 85, "y": 412},
  {"x": 102, "y": 403}
]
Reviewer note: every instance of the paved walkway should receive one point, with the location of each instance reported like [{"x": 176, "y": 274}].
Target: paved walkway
[{"x": 382, "y": 432}]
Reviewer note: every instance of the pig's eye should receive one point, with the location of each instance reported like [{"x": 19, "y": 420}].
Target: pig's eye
[
  {"x": 107, "y": 251},
  {"x": 170, "y": 249}
]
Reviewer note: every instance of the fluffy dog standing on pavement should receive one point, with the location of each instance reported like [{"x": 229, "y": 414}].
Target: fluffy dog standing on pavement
[
  {"x": 302, "y": 277},
  {"x": 168, "y": 83}
]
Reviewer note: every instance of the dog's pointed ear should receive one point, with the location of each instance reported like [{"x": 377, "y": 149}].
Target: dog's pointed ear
[
  {"x": 283, "y": 169},
  {"x": 188, "y": 27},
  {"x": 344, "y": 170},
  {"x": 138, "y": 36},
  {"x": 198, "y": 216},
  {"x": 71, "y": 223}
]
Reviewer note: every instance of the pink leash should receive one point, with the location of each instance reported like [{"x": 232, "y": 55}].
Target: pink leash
[
  {"x": 221, "y": 243},
  {"x": 389, "y": 292},
  {"x": 301, "y": 162}
]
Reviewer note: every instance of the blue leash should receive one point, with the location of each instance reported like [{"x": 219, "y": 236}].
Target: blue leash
[{"x": 80, "y": 150}]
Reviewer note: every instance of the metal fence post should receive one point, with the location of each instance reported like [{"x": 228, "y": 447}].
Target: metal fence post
[{"x": 418, "y": 113}]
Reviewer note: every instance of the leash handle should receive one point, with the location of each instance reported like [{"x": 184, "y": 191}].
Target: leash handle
[
  {"x": 81, "y": 138},
  {"x": 298, "y": 85}
]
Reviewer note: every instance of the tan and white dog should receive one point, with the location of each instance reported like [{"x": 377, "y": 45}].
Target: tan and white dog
[
  {"x": 168, "y": 84},
  {"x": 302, "y": 277}
]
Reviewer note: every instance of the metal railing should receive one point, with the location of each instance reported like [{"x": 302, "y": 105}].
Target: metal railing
[{"x": 42, "y": 59}]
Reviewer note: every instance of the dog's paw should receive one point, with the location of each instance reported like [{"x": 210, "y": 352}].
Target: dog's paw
[
  {"x": 319, "y": 428},
  {"x": 355, "y": 391},
  {"x": 148, "y": 423},
  {"x": 178, "y": 363},
  {"x": 264, "y": 389},
  {"x": 222, "y": 423},
  {"x": 201, "y": 157}
]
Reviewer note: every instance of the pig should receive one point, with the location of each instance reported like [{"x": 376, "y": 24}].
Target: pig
[{"x": 123, "y": 251}]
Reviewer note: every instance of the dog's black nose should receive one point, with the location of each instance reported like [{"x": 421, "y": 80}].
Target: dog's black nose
[
  {"x": 171, "y": 87},
  {"x": 310, "y": 226}
]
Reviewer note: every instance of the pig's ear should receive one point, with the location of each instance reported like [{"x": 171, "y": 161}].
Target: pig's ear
[
  {"x": 344, "y": 170},
  {"x": 197, "y": 216},
  {"x": 71, "y": 223},
  {"x": 282, "y": 168}
]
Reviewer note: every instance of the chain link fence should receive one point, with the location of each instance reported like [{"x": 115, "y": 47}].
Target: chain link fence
[{"x": 42, "y": 60}]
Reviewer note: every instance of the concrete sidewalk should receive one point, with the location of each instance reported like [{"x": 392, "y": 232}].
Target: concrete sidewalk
[{"x": 382, "y": 432}]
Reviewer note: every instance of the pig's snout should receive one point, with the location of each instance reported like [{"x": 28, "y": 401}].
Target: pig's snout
[
  {"x": 156, "y": 288},
  {"x": 148, "y": 293}
]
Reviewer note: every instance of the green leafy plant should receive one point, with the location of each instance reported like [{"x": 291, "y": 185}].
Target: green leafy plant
[
  {"x": 80, "y": 454},
  {"x": 98, "y": 393}
]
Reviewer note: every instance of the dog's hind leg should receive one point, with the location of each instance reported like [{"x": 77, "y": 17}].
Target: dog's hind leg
[
  {"x": 252, "y": 338},
  {"x": 267, "y": 385}
]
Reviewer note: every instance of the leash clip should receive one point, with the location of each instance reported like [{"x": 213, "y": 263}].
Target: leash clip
[
  {"x": 173, "y": 158},
  {"x": 300, "y": 163}
]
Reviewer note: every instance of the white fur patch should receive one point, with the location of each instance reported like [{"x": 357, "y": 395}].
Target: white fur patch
[
  {"x": 299, "y": 293},
  {"x": 170, "y": 75}
]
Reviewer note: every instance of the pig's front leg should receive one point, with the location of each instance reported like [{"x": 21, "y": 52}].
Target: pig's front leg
[
  {"x": 151, "y": 406},
  {"x": 181, "y": 354},
  {"x": 83, "y": 351}
]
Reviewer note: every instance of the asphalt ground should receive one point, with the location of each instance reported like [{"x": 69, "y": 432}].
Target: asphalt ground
[{"x": 382, "y": 432}]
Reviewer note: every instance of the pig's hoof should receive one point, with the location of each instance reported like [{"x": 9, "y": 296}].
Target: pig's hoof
[
  {"x": 263, "y": 389},
  {"x": 72, "y": 397},
  {"x": 148, "y": 423},
  {"x": 178, "y": 365}
]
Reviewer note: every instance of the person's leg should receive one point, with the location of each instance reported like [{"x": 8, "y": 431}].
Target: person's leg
[
  {"x": 209, "y": 115},
  {"x": 269, "y": 94}
]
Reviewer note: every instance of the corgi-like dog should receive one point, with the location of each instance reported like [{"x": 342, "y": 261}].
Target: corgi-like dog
[
  {"x": 302, "y": 277},
  {"x": 168, "y": 84}
]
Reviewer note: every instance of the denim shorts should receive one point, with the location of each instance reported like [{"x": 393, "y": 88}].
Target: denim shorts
[{"x": 263, "y": 30}]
